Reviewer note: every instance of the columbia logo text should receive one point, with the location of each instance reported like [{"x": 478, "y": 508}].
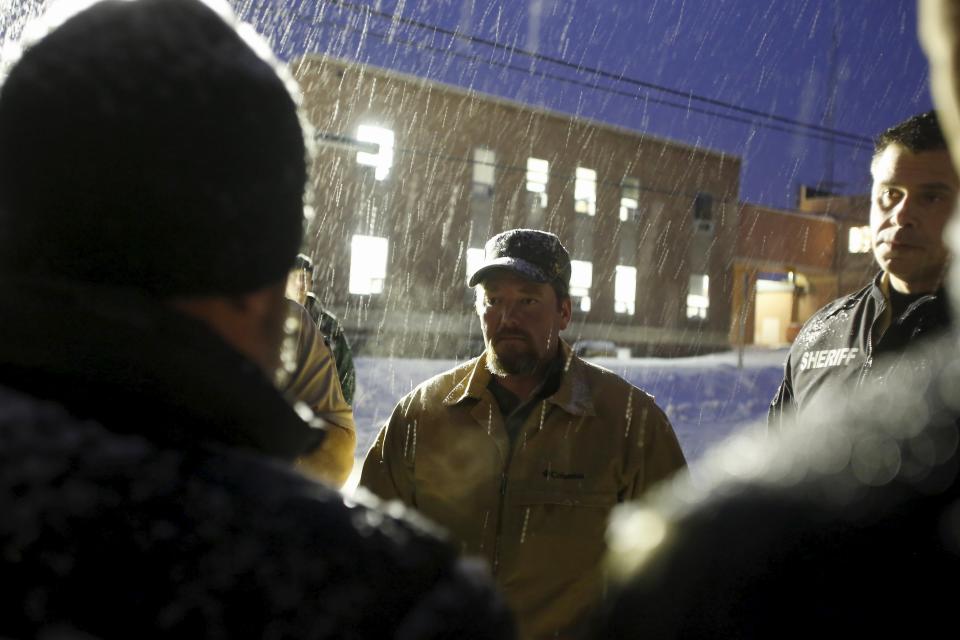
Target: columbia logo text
[{"x": 827, "y": 358}]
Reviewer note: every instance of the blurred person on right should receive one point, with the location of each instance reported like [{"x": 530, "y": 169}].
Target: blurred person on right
[
  {"x": 847, "y": 527},
  {"x": 914, "y": 189}
]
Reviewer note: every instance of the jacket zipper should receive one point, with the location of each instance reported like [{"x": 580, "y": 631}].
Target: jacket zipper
[
  {"x": 868, "y": 363},
  {"x": 501, "y": 505},
  {"x": 502, "y": 502}
]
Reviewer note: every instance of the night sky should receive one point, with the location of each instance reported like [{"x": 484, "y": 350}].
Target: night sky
[{"x": 768, "y": 57}]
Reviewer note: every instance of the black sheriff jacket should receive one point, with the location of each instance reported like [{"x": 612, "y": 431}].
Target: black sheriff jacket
[{"x": 851, "y": 342}]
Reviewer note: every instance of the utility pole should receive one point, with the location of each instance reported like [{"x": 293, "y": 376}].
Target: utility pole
[{"x": 828, "y": 185}]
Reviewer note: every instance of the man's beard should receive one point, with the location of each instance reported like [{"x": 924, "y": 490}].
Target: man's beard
[{"x": 519, "y": 362}]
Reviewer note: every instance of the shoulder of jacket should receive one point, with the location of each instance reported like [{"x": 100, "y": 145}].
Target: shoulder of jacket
[
  {"x": 834, "y": 307},
  {"x": 840, "y": 304},
  {"x": 434, "y": 389},
  {"x": 603, "y": 381}
]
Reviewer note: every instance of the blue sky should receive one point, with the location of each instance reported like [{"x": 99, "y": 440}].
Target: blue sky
[
  {"x": 769, "y": 57},
  {"x": 761, "y": 55}
]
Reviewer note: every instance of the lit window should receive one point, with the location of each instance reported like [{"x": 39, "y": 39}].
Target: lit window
[
  {"x": 382, "y": 160},
  {"x": 474, "y": 261},
  {"x": 484, "y": 162},
  {"x": 698, "y": 296},
  {"x": 585, "y": 191},
  {"x": 629, "y": 199},
  {"x": 581, "y": 279},
  {"x": 859, "y": 240},
  {"x": 538, "y": 173},
  {"x": 368, "y": 264},
  {"x": 625, "y": 290}
]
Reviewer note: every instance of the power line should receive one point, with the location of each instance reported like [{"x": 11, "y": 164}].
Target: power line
[
  {"x": 579, "y": 68},
  {"x": 610, "y": 90}
]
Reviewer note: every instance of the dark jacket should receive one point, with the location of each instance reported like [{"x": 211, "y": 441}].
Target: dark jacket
[
  {"x": 146, "y": 491},
  {"x": 848, "y": 527},
  {"x": 851, "y": 342}
]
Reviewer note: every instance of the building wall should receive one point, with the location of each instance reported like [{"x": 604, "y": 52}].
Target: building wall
[
  {"x": 853, "y": 270},
  {"x": 768, "y": 235},
  {"x": 810, "y": 245},
  {"x": 424, "y": 209}
]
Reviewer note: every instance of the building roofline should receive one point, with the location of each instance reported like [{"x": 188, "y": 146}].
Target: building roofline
[
  {"x": 807, "y": 215},
  {"x": 473, "y": 93}
]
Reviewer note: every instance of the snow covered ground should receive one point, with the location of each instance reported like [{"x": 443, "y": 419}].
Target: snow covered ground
[{"x": 706, "y": 397}]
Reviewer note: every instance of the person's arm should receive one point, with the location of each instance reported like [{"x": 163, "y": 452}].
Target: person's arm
[
  {"x": 660, "y": 455},
  {"x": 388, "y": 467},
  {"x": 782, "y": 406},
  {"x": 315, "y": 383}
]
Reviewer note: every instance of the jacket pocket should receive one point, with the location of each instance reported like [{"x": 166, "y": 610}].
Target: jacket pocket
[{"x": 565, "y": 496}]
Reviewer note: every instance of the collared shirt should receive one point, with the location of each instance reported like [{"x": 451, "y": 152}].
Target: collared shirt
[{"x": 516, "y": 411}]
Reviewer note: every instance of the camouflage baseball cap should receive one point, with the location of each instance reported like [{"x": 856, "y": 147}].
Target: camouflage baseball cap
[{"x": 536, "y": 255}]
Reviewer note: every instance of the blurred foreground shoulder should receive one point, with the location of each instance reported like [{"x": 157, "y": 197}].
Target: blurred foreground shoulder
[
  {"x": 212, "y": 541},
  {"x": 848, "y": 526}
]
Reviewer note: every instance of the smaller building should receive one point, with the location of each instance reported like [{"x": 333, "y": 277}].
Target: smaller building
[{"x": 790, "y": 263}]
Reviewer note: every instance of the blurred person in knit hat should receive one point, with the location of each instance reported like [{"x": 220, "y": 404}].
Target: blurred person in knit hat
[{"x": 152, "y": 172}]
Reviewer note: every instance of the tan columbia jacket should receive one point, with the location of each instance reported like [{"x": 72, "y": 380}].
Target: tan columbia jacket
[
  {"x": 314, "y": 382},
  {"x": 537, "y": 509}
]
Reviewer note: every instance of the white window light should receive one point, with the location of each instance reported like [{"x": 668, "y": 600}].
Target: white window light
[
  {"x": 585, "y": 191},
  {"x": 698, "y": 296},
  {"x": 538, "y": 175},
  {"x": 859, "y": 240},
  {"x": 629, "y": 199},
  {"x": 484, "y": 163},
  {"x": 625, "y": 290},
  {"x": 474, "y": 261},
  {"x": 581, "y": 279},
  {"x": 368, "y": 264},
  {"x": 382, "y": 161}
]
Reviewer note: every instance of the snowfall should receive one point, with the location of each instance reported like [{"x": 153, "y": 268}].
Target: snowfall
[{"x": 706, "y": 397}]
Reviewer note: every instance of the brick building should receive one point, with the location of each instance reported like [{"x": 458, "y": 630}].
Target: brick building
[
  {"x": 791, "y": 263},
  {"x": 412, "y": 176}
]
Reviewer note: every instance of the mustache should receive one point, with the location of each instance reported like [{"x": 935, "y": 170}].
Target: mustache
[
  {"x": 899, "y": 236},
  {"x": 511, "y": 334}
]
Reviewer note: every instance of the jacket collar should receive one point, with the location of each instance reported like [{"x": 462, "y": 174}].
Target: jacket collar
[
  {"x": 573, "y": 395},
  {"x": 880, "y": 289},
  {"x": 137, "y": 366}
]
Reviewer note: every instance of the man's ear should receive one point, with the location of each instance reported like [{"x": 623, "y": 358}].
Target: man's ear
[
  {"x": 252, "y": 323},
  {"x": 566, "y": 312}
]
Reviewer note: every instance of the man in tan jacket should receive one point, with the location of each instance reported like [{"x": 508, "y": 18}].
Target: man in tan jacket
[
  {"x": 522, "y": 452},
  {"x": 313, "y": 381}
]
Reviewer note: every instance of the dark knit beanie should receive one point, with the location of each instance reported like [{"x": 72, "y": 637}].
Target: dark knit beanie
[{"x": 145, "y": 144}]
